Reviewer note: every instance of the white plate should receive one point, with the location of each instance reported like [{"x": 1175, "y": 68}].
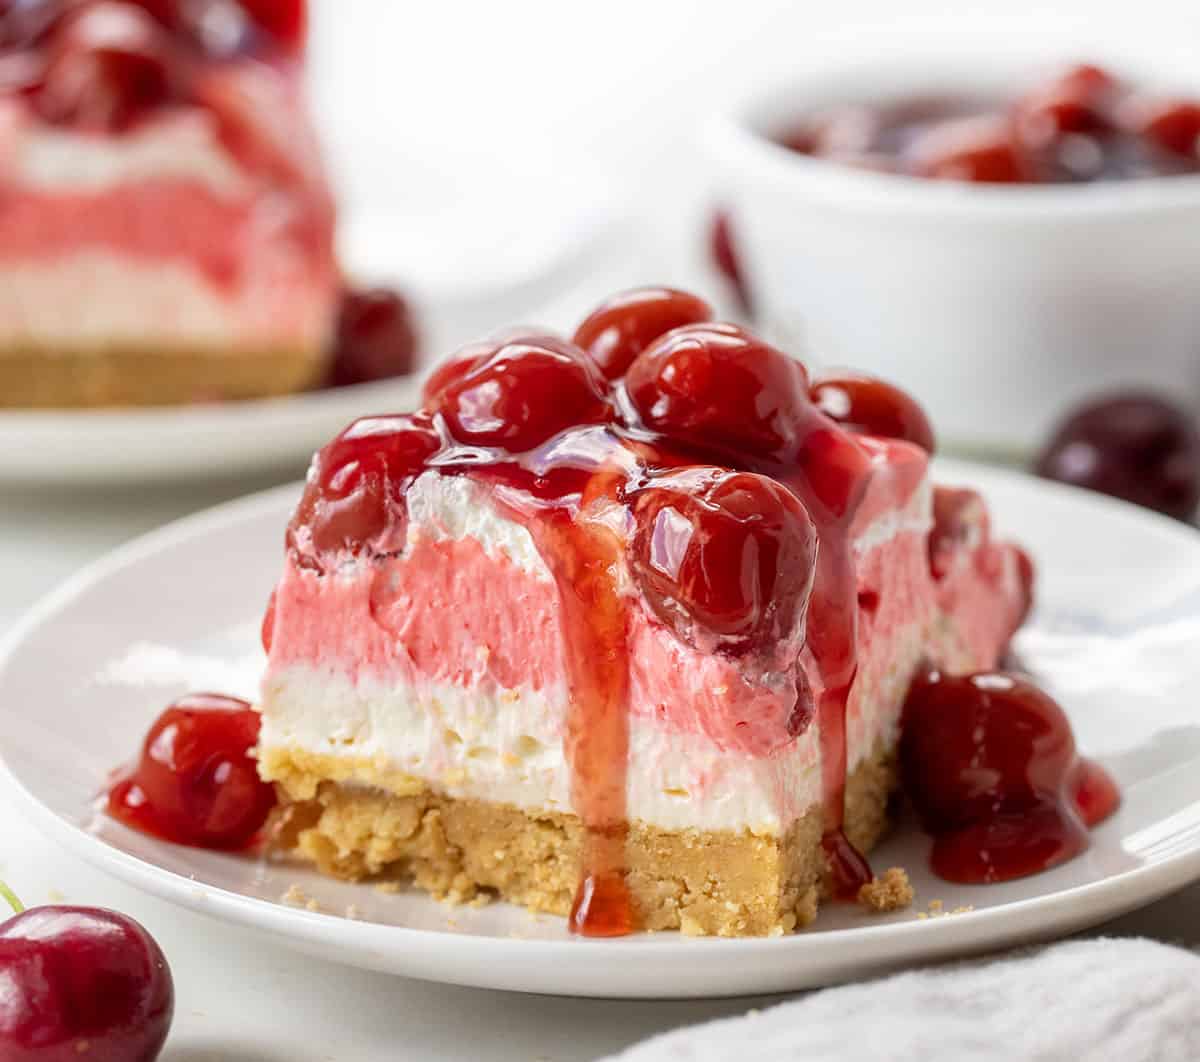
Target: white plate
[{"x": 1115, "y": 638}]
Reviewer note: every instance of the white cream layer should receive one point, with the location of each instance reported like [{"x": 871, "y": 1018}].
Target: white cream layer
[
  {"x": 506, "y": 746},
  {"x": 94, "y": 300},
  {"x": 182, "y": 146}
]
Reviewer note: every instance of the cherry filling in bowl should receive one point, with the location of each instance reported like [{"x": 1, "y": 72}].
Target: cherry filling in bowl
[{"x": 1081, "y": 125}]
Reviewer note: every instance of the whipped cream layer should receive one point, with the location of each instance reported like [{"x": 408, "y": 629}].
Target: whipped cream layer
[
  {"x": 182, "y": 145},
  {"x": 116, "y": 301},
  {"x": 156, "y": 238},
  {"x": 446, "y": 665}
]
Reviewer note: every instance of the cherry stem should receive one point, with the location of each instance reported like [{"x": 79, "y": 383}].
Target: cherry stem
[{"x": 11, "y": 897}]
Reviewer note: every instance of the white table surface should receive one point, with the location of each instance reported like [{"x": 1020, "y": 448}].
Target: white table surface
[{"x": 241, "y": 998}]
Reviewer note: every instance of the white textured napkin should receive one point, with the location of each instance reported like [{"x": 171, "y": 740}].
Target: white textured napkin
[{"x": 1127, "y": 1000}]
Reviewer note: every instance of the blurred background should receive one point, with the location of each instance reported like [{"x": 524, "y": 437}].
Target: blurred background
[{"x": 423, "y": 110}]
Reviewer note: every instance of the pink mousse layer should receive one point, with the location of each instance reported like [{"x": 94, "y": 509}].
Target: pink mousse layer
[
  {"x": 263, "y": 250},
  {"x": 449, "y": 612}
]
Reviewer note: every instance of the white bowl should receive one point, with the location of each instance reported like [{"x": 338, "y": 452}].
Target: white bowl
[{"x": 998, "y": 306}]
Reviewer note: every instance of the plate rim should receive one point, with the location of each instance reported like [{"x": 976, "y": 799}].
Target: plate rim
[{"x": 412, "y": 951}]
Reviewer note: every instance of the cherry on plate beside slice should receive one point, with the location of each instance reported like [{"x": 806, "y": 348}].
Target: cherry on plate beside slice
[
  {"x": 197, "y": 782},
  {"x": 989, "y": 763},
  {"x": 81, "y": 983},
  {"x": 375, "y": 338},
  {"x": 1135, "y": 446}
]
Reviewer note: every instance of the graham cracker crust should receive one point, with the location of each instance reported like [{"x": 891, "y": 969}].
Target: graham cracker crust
[
  {"x": 32, "y": 378},
  {"x": 719, "y": 883}
]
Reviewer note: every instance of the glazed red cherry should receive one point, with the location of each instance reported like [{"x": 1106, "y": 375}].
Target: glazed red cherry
[
  {"x": 1135, "y": 446},
  {"x": 522, "y": 395},
  {"x": 723, "y": 555},
  {"x": 716, "y": 386},
  {"x": 81, "y": 982},
  {"x": 110, "y": 65},
  {"x": 453, "y": 369},
  {"x": 972, "y": 743},
  {"x": 354, "y": 498},
  {"x": 625, "y": 325},
  {"x": 197, "y": 782},
  {"x": 981, "y": 150},
  {"x": 375, "y": 338},
  {"x": 989, "y": 763},
  {"x": 470, "y": 357},
  {"x": 1173, "y": 125},
  {"x": 871, "y": 406}
]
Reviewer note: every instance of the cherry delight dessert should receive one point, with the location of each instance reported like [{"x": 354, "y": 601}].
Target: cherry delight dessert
[
  {"x": 81, "y": 983},
  {"x": 1081, "y": 125},
  {"x": 622, "y": 627},
  {"x": 638, "y": 628},
  {"x": 166, "y": 231}
]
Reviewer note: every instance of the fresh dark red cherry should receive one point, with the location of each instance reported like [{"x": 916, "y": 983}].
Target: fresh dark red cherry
[
  {"x": 109, "y": 65},
  {"x": 197, "y": 782},
  {"x": 724, "y": 554},
  {"x": 724, "y": 253},
  {"x": 989, "y": 763},
  {"x": 872, "y": 406},
  {"x": 375, "y": 339},
  {"x": 982, "y": 150},
  {"x": 1135, "y": 446},
  {"x": 523, "y": 394},
  {"x": 717, "y": 387},
  {"x": 354, "y": 498},
  {"x": 1173, "y": 125},
  {"x": 81, "y": 983},
  {"x": 625, "y": 325}
]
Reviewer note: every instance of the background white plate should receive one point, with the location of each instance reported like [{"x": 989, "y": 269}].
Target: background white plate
[
  {"x": 492, "y": 270},
  {"x": 1114, "y": 637}
]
